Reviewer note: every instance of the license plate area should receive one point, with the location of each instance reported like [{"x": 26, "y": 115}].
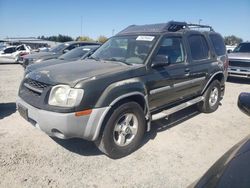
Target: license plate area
[{"x": 23, "y": 111}]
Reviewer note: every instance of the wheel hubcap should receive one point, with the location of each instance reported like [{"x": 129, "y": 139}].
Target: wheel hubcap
[
  {"x": 125, "y": 129},
  {"x": 214, "y": 95}
]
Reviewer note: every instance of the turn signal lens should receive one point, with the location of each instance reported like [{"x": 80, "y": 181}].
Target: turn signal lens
[{"x": 83, "y": 113}]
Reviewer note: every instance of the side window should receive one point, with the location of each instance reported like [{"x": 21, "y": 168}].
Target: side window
[
  {"x": 9, "y": 50},
  {"x": 218, "y": 44},
  {"x": 199, "y": 47},
  {"x": 20, "y": 48},
  {"x": 71, "y": 47},
  {"x": 173, "y": 48}
]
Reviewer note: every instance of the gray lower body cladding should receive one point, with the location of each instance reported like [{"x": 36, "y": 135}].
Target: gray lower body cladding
[{"x": 65, "y": 125}]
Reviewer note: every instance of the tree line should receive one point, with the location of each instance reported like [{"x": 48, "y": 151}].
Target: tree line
[
  {"x": 65, "y": 38},
  {"x": 229, "y": 40}
]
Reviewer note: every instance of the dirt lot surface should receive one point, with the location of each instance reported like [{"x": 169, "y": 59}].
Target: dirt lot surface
[{"x": 174, "y": 154}]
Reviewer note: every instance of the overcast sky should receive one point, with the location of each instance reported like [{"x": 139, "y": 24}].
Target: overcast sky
[{"x": 27, "y": 18}]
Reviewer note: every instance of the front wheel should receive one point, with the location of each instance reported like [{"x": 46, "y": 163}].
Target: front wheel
[
  {"x": 211, "y": 98},
  {"x": 124, "y": 131}
]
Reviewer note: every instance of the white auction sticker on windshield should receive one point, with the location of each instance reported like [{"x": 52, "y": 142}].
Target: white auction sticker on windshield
[{"x": 145, "y": 38}]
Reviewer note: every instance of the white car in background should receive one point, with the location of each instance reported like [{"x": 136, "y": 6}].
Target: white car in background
[
  {"x": 230, "y": 48},
  {"x": 12, "y": 54}
]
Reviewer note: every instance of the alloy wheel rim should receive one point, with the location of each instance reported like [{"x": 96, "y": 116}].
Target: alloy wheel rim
[
  {"x": 214, "y": 95},
  {"x": 125, "y": 129}
]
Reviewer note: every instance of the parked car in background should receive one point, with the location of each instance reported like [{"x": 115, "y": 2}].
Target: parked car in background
[
  {"x": 239, "y": 61},
  {"x": 230, "y": 48},
  {"x": 54, "y": 52},
  {"x": 12, "y": 54},
  {"x": 142, "y": 74},
  {"x": 73, "y": 55},
  {"x": 233, "y": 168},
  {"x": 244, "y": 103}
]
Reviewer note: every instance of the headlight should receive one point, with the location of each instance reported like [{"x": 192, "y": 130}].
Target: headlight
[{"x": 65, "y": 96}]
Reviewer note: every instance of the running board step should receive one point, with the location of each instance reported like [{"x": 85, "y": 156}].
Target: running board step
[{"x": 167, "y": 112}]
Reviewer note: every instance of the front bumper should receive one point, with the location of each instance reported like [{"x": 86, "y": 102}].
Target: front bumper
[
  {"x": 239, "y": 72},
  {"x": 65, "y": 125}
]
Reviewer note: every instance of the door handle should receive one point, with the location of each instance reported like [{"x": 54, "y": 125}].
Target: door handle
[{"x": 187, "y": 71}]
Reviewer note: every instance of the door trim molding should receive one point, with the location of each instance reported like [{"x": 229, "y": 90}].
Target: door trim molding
[{"x": 165, "y": 88}]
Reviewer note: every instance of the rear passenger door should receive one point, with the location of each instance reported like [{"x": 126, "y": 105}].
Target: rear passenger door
[{"x": 200, "y": 61}]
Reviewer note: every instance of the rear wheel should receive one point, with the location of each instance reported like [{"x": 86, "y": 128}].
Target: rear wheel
[
  {"x": 123, "y": 132},
  {"x": 211, "y": 98}
]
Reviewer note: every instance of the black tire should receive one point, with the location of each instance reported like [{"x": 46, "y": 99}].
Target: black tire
[
  {"x": 107, "y": 141},
  {"x": 206, "y": 106}
]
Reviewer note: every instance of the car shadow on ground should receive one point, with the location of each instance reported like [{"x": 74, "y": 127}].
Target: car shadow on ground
[
  {"x": 78, "y": 146},
  {"x": 87, "y": 148},
  {"x": 173, "y": 120},
  {"x": 238, "y": 80},
  {"x": 7, "y": 109}
]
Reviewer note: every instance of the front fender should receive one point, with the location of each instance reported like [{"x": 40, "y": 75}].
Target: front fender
[{"x": 120, "y": 90}]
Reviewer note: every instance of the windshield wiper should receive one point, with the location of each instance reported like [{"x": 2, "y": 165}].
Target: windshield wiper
[{"x": 117, "y": 60}]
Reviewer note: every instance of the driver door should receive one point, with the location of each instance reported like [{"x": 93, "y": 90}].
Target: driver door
[{"x": 169, "y": 83}]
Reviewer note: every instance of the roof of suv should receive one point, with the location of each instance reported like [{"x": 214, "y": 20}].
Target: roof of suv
[{"x": 171, "y": 26}]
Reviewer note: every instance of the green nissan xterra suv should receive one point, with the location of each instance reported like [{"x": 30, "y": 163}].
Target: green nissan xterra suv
[{"x": 142, "y": 74}]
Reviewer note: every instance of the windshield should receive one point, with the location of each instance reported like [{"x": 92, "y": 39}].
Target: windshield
[
  {"x": 75, "y": 53},
  {"x": 58, "y": 48},
  {"x": 243, "y": 47},
  {"x": 127, "y": 49}
]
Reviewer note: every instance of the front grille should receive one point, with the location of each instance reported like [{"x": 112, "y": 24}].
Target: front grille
[
  {"x": 239, "y": 63},
  {"x": 34, "y": 86}
]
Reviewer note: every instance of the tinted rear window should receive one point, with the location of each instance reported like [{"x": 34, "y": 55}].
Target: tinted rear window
[
  {"x": 10, "y": 50},
  {"x": 218, "y": 44},
  {"x": 243, "y": 47},
  {"x": 199, "y": 47}
]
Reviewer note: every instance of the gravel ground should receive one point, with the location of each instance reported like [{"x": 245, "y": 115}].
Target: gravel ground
[{"x": 174, "y": 154}]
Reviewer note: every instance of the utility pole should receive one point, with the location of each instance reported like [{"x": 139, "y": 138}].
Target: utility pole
[
  {"x": 200, "y": 21},
  {"x": 81, "y": 26}
]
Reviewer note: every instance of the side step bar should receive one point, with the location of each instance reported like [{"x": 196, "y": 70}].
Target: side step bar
[{"x": 167, "y": 112}]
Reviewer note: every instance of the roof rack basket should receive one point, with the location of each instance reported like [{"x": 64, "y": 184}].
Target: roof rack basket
[
  {"x": 176, "y": 26},
  {"x": 171, "y": 26},
  {"x": 196, "y": 26}
]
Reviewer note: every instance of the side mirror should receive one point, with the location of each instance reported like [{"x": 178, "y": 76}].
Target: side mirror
[
  {"x": 160, "y": 61},
  {"x": 229, "y": 51},
  {"x": 65, "y": 51},
  {"x": 244, "y": 103}
]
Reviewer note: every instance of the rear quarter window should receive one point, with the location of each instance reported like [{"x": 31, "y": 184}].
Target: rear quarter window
[
  {"x": 199, "y": 47},
  {"x": 218, "y": 44}
]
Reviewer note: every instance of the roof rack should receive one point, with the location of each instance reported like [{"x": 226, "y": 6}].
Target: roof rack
[
  {"x": 191, "y": 26},
  {"x": 171, "y": 26}
]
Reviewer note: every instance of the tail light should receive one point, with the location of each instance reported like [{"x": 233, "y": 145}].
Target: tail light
[
  {"x": 23, "y": 53},
  {"x": 226, "y": 63}
]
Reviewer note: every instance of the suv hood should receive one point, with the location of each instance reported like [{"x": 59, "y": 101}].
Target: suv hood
[
  {"x": 243, "y": 56},
  {"x": 71, "y": 73},
  {"x": 42, "y": 55},
  {"x": 45, "y": 63}
]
